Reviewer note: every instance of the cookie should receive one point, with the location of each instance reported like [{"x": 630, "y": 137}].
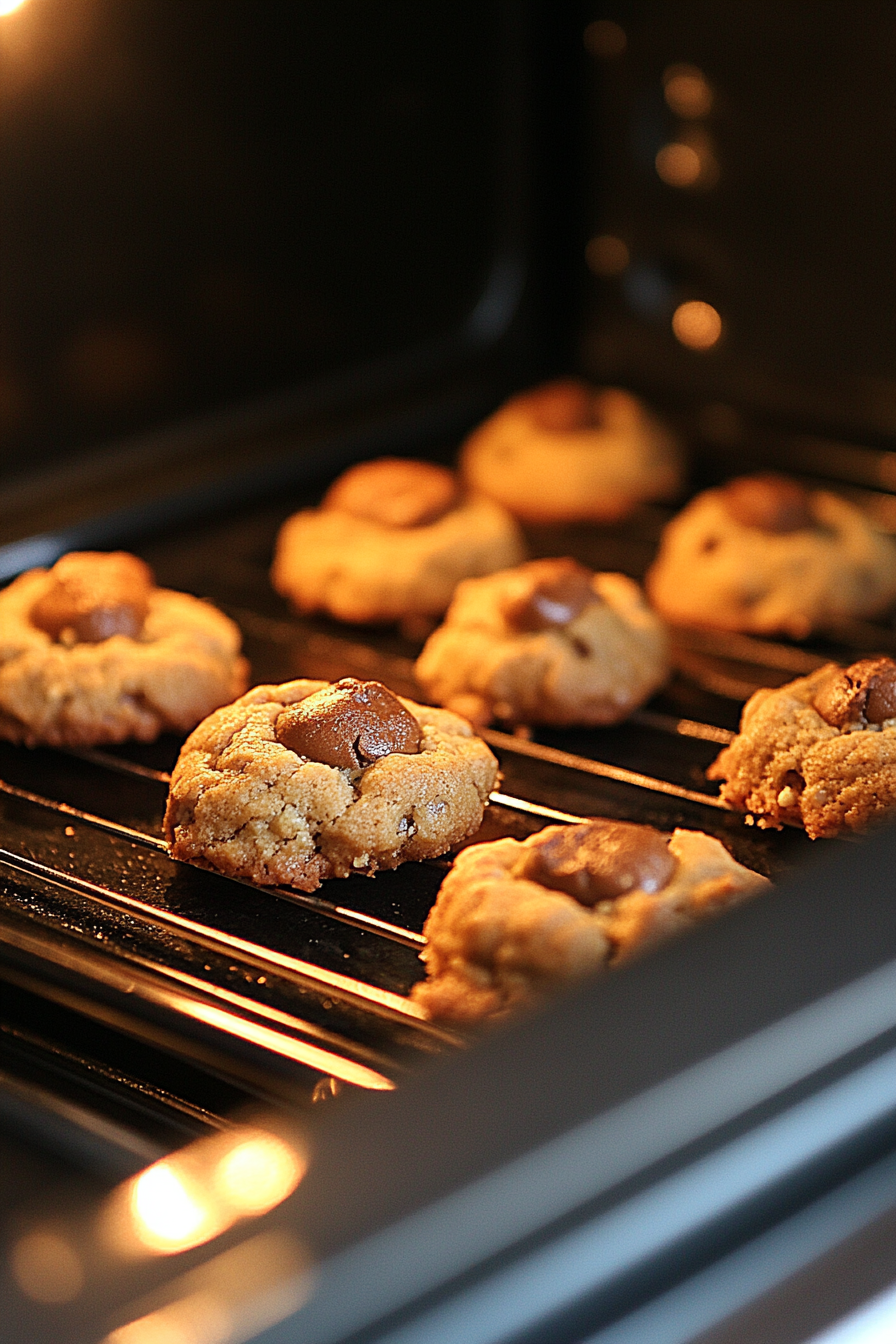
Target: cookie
[
  {"x": 517, "y": 919},
  {"x": 296, "y": 783},
  {"x": 391, "y": 541},
  {"x": 92, "y": 652},
  {"x": 547, "y": 642},
  {"x": 819, "y": 752},
  {"x": 566, "y": 452},
  {"x": 765, "y": 555}
]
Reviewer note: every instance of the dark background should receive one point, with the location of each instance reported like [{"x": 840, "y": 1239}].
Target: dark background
[{"x": 205, "y": 206}]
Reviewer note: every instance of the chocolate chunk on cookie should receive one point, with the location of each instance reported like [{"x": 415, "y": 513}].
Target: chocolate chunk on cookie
[
  {"x": 390, "y": 542},
  {"x": 770, "y": 503},
  {"x": 93, "y": 652},
  {"x": 765, "y": 555},
  {"x": 296, "y": 783},
  {"x": 514, "y": 920},
  {"x": 558, "y": 591},
  {"x": 349, "y": 724},
  {"x": 546, "y": 642},
  {"x": 598, "y": 860},
  {"x": 862, "y": 693},
  {"x": 562, "y": 406},
  {"x": 395, "y": 491},
  {"x": 819, "y": 752},
  {"x": 568, "y": 452},
  {"x": 92, "y": 596}
]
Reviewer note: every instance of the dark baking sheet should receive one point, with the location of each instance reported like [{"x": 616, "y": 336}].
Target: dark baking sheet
[{"x": 278, "y": 992}]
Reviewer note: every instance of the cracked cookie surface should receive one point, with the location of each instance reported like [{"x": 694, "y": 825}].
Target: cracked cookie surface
[
  {"x": 60, "y": 687},
  {"x": 498, "y": 940},
  {"x": 809, "y": 755},
  {"x": 249, "y": 806},
  {"x": 590, "y": 663}
]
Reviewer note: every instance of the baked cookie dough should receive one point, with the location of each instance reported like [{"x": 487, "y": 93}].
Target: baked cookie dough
[
  {"x": 547, "y": 642},
  {"x": 92, "y": 652},
  {"x": 566, "y": 452},
  {"x": 390, "y": 542},
  {"x": 296, "y": 783},
  {"x": 819, "y": 752},
  {"x": 517, "y": 919},
  {"x": 765, "y": 555}
]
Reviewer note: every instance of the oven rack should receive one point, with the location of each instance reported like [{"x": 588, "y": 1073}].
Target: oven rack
[
  {"x": 286, "y": 995},
  {"x": 353, "y": 1028}
]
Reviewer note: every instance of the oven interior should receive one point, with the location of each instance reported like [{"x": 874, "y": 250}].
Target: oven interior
[{"x": 200, "y": 335}]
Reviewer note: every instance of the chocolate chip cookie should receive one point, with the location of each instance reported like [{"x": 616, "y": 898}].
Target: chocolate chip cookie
[
  {"x": 516, "y": 919},
  {"x": 91, "y": 652},
  {"x": 296, "y": 783},
  {"x": 567, "y": 452},
  {"x": 765, "y": 555},
  {"x": 390, "y": 542},
  {"x": 819, "y": 752},
  {"x": 547, "y": 642}
]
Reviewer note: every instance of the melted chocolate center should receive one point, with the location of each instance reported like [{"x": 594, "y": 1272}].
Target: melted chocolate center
[
  {"x": 563, "y": 406},
  {"x": 598, "y": 860},
  {"x": 865, "y": 692},
  {"x": 395, "y": 491},
  {"x": 556, "y": 592},
  {"x": 770, "y": 503},
  {"x": 94, "y": 595},
  {"x": 349, "y": 724}
]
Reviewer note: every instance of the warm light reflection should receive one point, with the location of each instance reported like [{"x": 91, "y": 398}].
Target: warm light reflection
[
  {"x": 193, "y": 1320},
  {"x": 687, "y": 91},
  {"x": 678, "y": 165},
  {"x": 689, "y": 161},
  {"x": 697, "y": 324},
  {"x": 196, "y": 1194},
  {"x": 168, "y": 1215},
  {"x": 605, "y": 39},
  {"x": 607, "y": 255},
  {"x": 302, "y": 1051},
  {"x": 10, "y": 6},
  {"x": 46, "y": 1267},
  {"x": 258, "y": 1174},
  {"x": 233, "y": 1297}
]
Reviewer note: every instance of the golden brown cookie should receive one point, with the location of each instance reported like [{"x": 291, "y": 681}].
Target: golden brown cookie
[
  {"x": 91, "y": 652},
  {"x": 516, "y": 919},
  {"x": 391, "y": 541},
  {"x": 819, "y": 752},
  {"x": 546, "y": 642},
  {"x": 566, "y": 452},
  {"x": 765, "y": 555},
  {"x": 296, "y": 783}
]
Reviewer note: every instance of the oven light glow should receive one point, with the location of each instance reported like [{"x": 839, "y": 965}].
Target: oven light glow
[
  {"x": 196, "y": 1194},
  {"x": 687, "y": 91},
  {"x": 258, "y": 1174},
  {"x": 678, "y": 165},
  {"x": 607, "y": 255},
  {"x": 47, "y": 1268},
  {"x": 230, "y": 1298},
  {"x": 10, "y": 6},
  {"x": 605, "y": 39},
  {"x": 198, "y": 1319},
  {"x": 168, "y": 1216},
  {"x": 689, "y": 161},
  {"x": 697, "y": 325}
]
